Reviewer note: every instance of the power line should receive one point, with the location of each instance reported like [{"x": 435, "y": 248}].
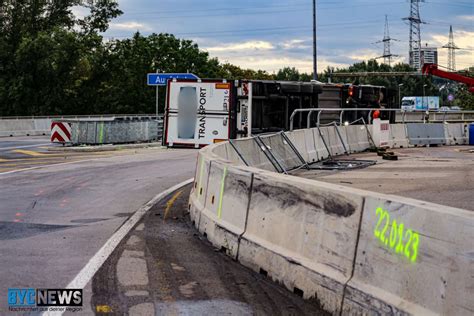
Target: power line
[
  {"x": 237, "y": 11},
  {"x": 239, "y": 32}
]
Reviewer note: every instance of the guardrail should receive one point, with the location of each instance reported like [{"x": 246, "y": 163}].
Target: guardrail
[
  {"x": 98, "y": 116},
  {"x": 37, "y": 126},
  {"x": 341, "y": 111},
  {"x": 356, "y": 252}
]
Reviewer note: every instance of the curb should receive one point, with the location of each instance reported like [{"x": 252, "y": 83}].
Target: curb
[
  {"x": 90, "y": 269},
  {"x": 104, "y": 147}
]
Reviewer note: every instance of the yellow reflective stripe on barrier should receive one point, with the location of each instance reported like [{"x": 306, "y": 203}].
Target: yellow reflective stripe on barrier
[
  {"x": 101, "y": 133},
  {"x": 219, "y": 210}
]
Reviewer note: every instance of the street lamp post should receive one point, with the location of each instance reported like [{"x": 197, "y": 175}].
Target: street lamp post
[
  {"x": 424, "y": 94},
  {"x": 400, "y": 95},
  {"x": 315, "y": 56},
  {"x": 427, "y": 113}
]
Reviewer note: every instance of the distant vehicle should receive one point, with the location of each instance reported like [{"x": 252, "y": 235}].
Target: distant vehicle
[
  {"x": 420, "y": 103},
  {"x": 455, "y": 108},
  {"x": 444, "y": 109}
]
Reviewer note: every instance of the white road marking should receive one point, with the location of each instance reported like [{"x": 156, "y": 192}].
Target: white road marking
[
  {"x": 94, "y": 264},
  {"x": 40, "y": 167},
  {"x": 25, "y": 146}
]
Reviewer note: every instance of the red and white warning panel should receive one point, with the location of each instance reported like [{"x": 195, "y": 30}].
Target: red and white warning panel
[{"x": 60, "y": 132}]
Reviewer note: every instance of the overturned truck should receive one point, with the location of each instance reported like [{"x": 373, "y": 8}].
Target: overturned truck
[{"x": 202, "y": 112}]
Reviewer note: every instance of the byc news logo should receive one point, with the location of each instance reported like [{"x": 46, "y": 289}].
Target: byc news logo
[{"x": 41, "y": 300}]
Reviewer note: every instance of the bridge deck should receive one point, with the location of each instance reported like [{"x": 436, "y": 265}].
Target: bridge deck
[{"x": 442, "y": 175}]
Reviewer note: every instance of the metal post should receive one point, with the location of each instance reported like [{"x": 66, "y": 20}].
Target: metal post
[
  {"x": 400, "y": 95},
  {"x": 308, "y": 122},
  {"x": 315, "y": 56},
  {"x": 249, "y": 114},
  {"x": 157, "y": 97}
]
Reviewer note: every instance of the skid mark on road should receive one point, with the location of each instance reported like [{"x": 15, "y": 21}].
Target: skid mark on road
[{"x": 170, "y": 203}]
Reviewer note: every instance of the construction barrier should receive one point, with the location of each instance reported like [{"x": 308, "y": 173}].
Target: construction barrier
[
  {"x": 412, "y": 257},
  {"x": 456, "y": 134},
  {"x": 319, "y": 138},
  {"x": 357, "y": 138},
  {"x": 290, "y": 235},
  {"x": 398, "y": 137},
  {"x": 24, "y": 127},
  {"x": 426, "y": 134},
  {"x": 354, "y": 251},
  {"x": 115, "y": 131},
  {"x": 254, "y": 154},
  {"x": 335, "y": 139},
  {"x": 224, "y": 216}
]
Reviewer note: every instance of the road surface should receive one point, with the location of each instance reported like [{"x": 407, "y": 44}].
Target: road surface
[
  {"x": 442, "y": 175},
  {"x": 165, "y": 267},
  {"x": 54, "y": 218}
]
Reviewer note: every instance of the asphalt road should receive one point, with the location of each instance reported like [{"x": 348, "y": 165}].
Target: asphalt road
[
  {"x": 442, "y": 175},
  {"x": 165, "y": 267},
  {"x": 18, "y": 153},
  {"x": 55, "y": 217}
]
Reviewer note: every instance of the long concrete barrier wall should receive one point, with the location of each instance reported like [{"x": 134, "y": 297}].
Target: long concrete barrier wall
[
  {"x": 353, "y": 251},
  {"x": 37, "y": 126},
  {"x": 24, "y": 127}
]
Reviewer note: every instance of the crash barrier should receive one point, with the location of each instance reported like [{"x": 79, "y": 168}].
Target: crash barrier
[
  {"x": 426, "y": 134},
  {"x": 396, "y": 115},
  {"x": 353, "y": 251},
  {"x": 456, "y": 134},
  {"x": 41, "y": 125},
  {"x": 24, "y": 127},
  {"x": 113, "y": 131}
]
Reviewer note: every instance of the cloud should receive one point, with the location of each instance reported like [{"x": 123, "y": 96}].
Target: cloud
[
  {"x": 131, "y": 25},
  {"x": 272, "y": 61},
  {"x": 242, "y": 46},
  {"x": 295, "y": 44},
  {"x": 363, "y": 54},
  {"x": 466, "y": 17}
]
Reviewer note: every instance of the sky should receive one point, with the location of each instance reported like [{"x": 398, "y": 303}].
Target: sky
[{"x": 269, "y": 35}]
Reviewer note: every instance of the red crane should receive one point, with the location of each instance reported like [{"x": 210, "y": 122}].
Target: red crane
[{"x": 432, "y": 69}]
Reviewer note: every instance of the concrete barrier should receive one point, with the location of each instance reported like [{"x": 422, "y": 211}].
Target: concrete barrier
[
  {"x": 290, "y": 235},
  {"x": 456, "y": 134},
  {"x": 412, "y": 257},
  {"x": 311, "y": 152},
  {"x": 398, "y": 136},
  {"x": 357, "y": 138},
  {"x": 224, "y": 215},
  {"x": 281, "y": 150},
  {"x": 426, "y": 134},
  {"x": 24, "y": 127},
  {"x": 321, "y": 150},
  {"x": 324, "y": 241},
  {"x": 298, "y": 139},
  {"x": 334, "y": 141},
  {"x": 253, "y": 154}
]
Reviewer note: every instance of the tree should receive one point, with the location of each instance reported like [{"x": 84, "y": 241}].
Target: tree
[{"x": 288, "y": 74}]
